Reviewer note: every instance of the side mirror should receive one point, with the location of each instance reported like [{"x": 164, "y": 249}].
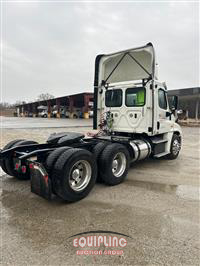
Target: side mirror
[
  {"x": 168, "y": 114},
  {"x": 174, "y": 105}
]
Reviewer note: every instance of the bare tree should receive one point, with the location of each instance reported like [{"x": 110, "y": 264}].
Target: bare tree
[
  {"x": 19, "y": 103},
  {"x": 4, "y": 105},
  {"x": 44, "y": 97}
]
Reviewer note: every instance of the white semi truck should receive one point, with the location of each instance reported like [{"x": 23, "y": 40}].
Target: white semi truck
[{"x": 132, "y": 119}]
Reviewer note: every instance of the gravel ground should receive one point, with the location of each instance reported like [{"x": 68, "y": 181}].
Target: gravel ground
[{"x": 157, "y": 205}]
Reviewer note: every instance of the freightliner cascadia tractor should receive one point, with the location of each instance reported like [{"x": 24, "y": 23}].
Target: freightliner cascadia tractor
[{"x": 133, "y": 121}]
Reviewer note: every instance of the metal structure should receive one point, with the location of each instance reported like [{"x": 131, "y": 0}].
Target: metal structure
[{"x": 71, "y": 106}]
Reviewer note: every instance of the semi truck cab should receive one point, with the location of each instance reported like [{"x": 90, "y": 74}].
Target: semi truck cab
[{"x": 127, "y": 88}]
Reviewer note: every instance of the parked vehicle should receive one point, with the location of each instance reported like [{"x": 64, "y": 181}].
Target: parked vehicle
[
  {"x": 67, "y": 114},
  {"x": 30, "y": 114},
  {"x": 91, "y": 107},
  {"x": 90, "y": 113},
  {"x": 44, "y": 114},
  {"x": 43, "y": 111},
  {"x": 182, "y": 115},
  {"x": 134, "y": 120},
  {"x": 62, "y": 111},
  {"x": 54, "y": 111}
]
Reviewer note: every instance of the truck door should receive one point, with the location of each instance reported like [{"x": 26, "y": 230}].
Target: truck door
[
  {"x": 164, "y": 122},
  {"x": 114, "y": 104},
  {"x": 127, "y": 106}
]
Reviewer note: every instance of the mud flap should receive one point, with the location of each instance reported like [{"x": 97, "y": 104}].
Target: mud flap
[{"x": 40, "y": 181}]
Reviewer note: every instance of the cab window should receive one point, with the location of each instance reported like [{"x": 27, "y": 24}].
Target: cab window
[
  {"x": 162, "y": 100},
  {"x": 135, "y": 97},
  {"x": 113, "y": 98}
]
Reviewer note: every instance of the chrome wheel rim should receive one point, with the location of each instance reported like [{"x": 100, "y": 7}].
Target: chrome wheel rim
[
  {"x": 80, "y": 175},
  {"x": 176, "y": 147},
  {"x": 119, "y": 164}
]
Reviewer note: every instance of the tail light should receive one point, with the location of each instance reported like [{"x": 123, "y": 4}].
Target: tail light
[
  {"x": 46, "y": 179},
  {"x": 31, "y": 166},
  {"x": 23, "y": 168},
  {"x": 16, "y": 166}
]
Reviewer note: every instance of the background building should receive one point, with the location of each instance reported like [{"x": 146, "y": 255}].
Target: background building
[
  {"x": 81, "y": 105},
  {"x": 189, "y": 99},
  {"x": 71, "y": 106}
]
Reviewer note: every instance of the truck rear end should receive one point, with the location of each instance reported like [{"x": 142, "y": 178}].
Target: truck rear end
[{"x": 133, "y": 120}]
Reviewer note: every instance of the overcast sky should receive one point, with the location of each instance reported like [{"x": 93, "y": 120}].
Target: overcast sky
[{"x": 51, "y": 47}]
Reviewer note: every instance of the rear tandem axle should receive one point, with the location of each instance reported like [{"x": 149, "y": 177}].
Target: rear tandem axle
[{"x": 68, "y": 164}]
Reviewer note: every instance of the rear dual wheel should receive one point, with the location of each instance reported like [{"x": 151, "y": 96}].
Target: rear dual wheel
[
  {"x": 113, "y": 161},
  {"x": 50, "y": 162},
  {"x": 73, "y": 171},
  {"x": 114, "y": 164},
  {"x": 6, "y": 147},
  {"x": 97, "y": 151},
  {"x": 73, "y": 174},
  {"x": 8, "y": 164}
]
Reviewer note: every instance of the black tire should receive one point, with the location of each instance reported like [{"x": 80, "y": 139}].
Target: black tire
[
  {"x": 50, "y": 162},
  {"x": 9, "y": 164},
  {"x": 62, "y": 174},
  {"x": 174, "y": 152},
  {"x": 106, "y": 161},
  {"x": 97, "y": 150},
  {"x": 8, "y": 146},
  {"x": 52, "y": 158}
]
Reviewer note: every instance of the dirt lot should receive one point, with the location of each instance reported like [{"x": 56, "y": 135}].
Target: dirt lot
[{"x": 157, "y": 205}]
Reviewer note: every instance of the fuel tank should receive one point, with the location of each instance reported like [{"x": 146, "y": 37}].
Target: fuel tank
[{"x": 141, "y": 149}]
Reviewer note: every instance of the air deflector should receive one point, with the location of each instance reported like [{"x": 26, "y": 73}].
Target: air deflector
[{"x": 129, "y": 65}]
